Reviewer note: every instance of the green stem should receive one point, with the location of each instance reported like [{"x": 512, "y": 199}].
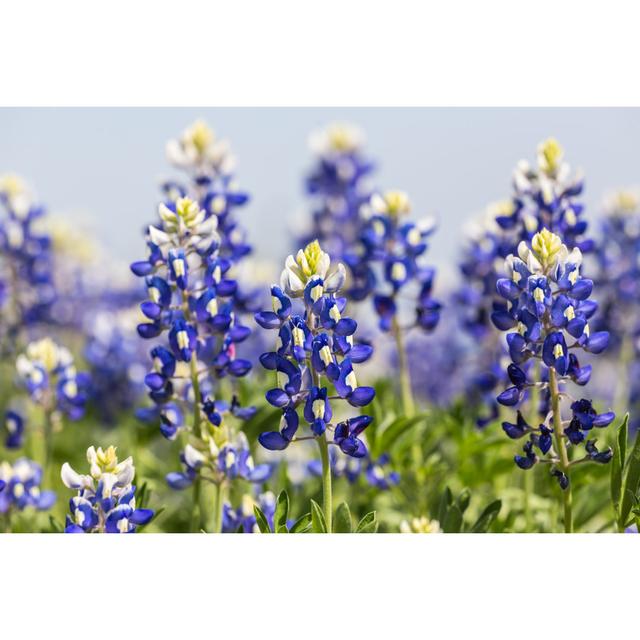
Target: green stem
[
  {"x": 621, "y": 396},
  {"x": 561, "y": 447},
  {"x": 408, "y": 404},
  {"x": 529, "y": 477},
  {"x": 48, "y": 442},
  {"x": 218, "y": 504},
  {"x": 195, "y": 382},
  {"x": 196, "y": 510},
  {"x": 327, "y": 497}
]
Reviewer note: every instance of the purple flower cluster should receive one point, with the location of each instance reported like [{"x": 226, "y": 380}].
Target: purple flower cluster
[
  {"x": 27, "y": 290},
  {"x": 549, "y": 305},
  {"x": 315, "y": 353},
  {"x": 339, "y": 184}
]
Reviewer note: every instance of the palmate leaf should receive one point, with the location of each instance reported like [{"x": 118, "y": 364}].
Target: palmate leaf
[
  {"x": 617, "y": 466},
  {"x": 342, "y": 522},
  {"x": 318, "y": 523}
]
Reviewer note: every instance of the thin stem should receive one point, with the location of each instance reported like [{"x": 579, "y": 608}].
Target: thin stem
[
  {"x": 561, "y": 447},
  {"x": 48, "y": 442},
  {"x": 196, "y": 510},
  {"x": 195, "y": 382},
  {"x": 408, "y": 404},
  {"x": 621, "y": 396},
  {"x": 218, "y": 505},
  {"x": 327, "y": 497},
  {"x": 529, "y": 478}
]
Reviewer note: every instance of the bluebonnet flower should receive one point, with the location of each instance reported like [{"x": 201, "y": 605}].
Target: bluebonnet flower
[
  {"x": 390, "y": 250},
  {"x": 27, "y": 290},
  {"x": 106, "y": 500},
  {"x": 227, "y": 460},
  {"x": 339, "y": 184},
  {"x": 14, "y": 426},
  {"x": 549, "y": 306},
  {"x": 244, "y": 518},
  {"x": 376, "y": 473},
  {"x": 617, "y": 273},
  {"x": 387, "y": 266},
  {"x": 48, "y": 373},
  {"x": 194, "y": 309},
  {"x": 210, "y": 165},
  {"x": 315, "y": 352},
  {"x": 20, "y": 487},
  {"x": 378, "y": 476},
  {"x": 117, "y": 364},
  {"x": 545, "y": 196}
]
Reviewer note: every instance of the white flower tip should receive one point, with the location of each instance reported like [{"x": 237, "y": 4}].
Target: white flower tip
[{"x": 70, "y": 478}]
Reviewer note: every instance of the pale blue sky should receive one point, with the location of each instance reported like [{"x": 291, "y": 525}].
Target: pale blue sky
[{"x": 102, "y": 166}]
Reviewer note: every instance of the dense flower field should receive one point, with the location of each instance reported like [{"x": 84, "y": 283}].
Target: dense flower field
[{"x": 357, "y": 391}]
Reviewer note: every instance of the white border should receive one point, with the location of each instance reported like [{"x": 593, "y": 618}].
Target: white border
[
  {"x": 330, "y": 53},
  {"x": 384, "y": 586},
  {"x": 334, "y": 52}
]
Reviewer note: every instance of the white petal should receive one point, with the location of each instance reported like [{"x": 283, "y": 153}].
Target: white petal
[
  {"x": 157, "y": 236},
  {"x": 70, "y": 478},
  {"x": 192, "y": 456}
]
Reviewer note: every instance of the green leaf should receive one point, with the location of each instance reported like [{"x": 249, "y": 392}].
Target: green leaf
[
  {"x": 623, "y": 437},
  {"x": 368, "y": 524},
  {"x": 318, "y": 524},
  {"x": 396, "y": 429},
  {"x": 453, "y": 520},
  {"x": 617, "y": 466},
  {"x": 282, "y": 512},
  {"x": 490, "y": 513},
  {"x": 342, "y": 522},
  {"x": 261, "y": 520},
  {"x": 463, "y": 500},
  {"x": 56, "y": 527},
  {"x": 445, "y": 503},
  {"x": 631, "y": 482},
  {"x": 302, "y": 524}
]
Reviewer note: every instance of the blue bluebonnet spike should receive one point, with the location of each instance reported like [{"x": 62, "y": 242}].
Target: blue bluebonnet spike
[
  {"x": 28, "y": 293},
  {"x": 195, "y": 311},
  {"x": 20, "y": 487},
  {"x": 338, "y": 185},
  {"x": 551, "y": 323},
  {"x": 312, "y": 351},
  {"x": 105, "y": 501},
  {"x": 47, "y": 371},
  {"x": 545, "y": 195}
]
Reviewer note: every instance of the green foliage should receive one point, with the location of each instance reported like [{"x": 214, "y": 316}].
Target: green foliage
[
  {"x": 368, "y": 524},
  {"x": 318, "y": 523},
  {"x": 625, "y": 478},
  {"x": 342, "y": 521},
  {"x": 451, "y": 513}
]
